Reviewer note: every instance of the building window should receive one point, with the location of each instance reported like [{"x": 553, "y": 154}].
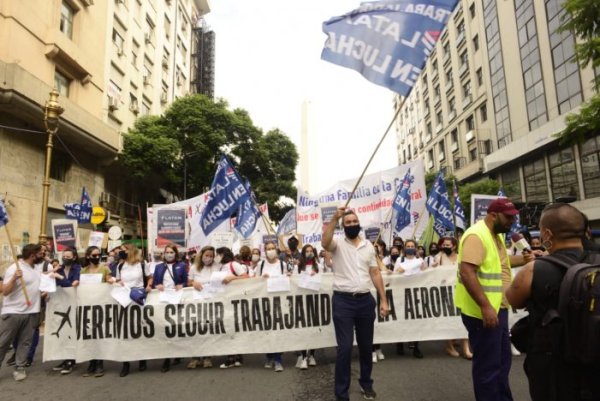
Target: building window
[
  {"x": 466, "y": 89},
  {"x": 473, "y": 154},
  {"x": 476, "y": 43},
  {"x": 483, "y": 112},
  {"x": 167, "y": 27},
  {"x": 117, "y": 39},
  {"x": 511, "y": 182},
  {"x": 536, "y": 187},
  {"x": 59, "y": 166},
  {"x": 472, "y": 10},
  {"x": 464, "y": 59},
  {"x": 562, "y": 173},
  {"x": 61, "y": 83},
  {"x": 428, "y": 128},
  {"x": 438, "y": 118},
  {"x": 470, "y": 123},
  {"x": 133, "y": 104},
  {"x": 145, "y": 109},
  {"x": 451, "y": 105},
  {"x": 66, "y": 19},
  {"x": 590, "y": 166},
  {"x": 479, "y": 77},
  {"x": 135, "y": 50}
]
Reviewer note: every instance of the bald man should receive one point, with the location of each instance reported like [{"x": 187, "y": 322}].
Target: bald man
[{"x": 536, "y": 287}]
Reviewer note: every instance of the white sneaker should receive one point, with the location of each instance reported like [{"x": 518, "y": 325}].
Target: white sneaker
[
  {"x": 304, "y": 364},
  {"x": 278, "y": 367},
  {"x": 19, "y": 375},
  {"x": 312, "y": 361},
  {"x": 380, "y": 355},
  {"x": 514, "y": 351},
  {"x": 299, "y": 362},
  {"x": 269, "y": 364},
  {"x": 374, "y": 357}
]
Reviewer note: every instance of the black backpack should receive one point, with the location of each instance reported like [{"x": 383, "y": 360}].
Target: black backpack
[{"x": 578, "y": 308}]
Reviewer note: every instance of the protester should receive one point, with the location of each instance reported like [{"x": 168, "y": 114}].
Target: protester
[
  {"x": 171, "y": 274},
  {"x": 93, "y": 266},
  {"x": 254, "y": 262},
  {"x": 245, "y": 255},
  {"x": 325, "y": 261},
  {"x": 431, "y": 260},
  {"x": 236, "y": 271},
  {"x": 483, "y": 273},
  {"x": 132, "y": 272},
  {"x": 204, "y": 267},
  {"x": 398, "y": 242},
  {"x": 308, "y": 264},
  {"x": 18, "y": 319},
  {"x": 353, "y": 306},
  {"x": 552, "y": 376},
  {"x": 588, "y": 242},
  {"x": 393, "y": 257},
  {"x": 292, "y": 255},
  {"x": 69, "y": 273},
  {"x": 448, "y": 256}
]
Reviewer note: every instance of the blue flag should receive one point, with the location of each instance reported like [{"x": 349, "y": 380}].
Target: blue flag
[
  {"x": 516, "y": 227},
  {"x": 85, "y": 208},
  {"x": 72, "y": 210},
  {"x": 401, "y": 203},
  {"x": 439, "y": 207},
  {"x": 459, "y": 212},
  {"x": 248, "y": 215},
  {"x": 288, "y": 223},
  {"x": 387, "y": 42},
  {"x": 501, "y": 193},
  {"x": 227, "y": 194},
  {"x": 3, "y": 214}
]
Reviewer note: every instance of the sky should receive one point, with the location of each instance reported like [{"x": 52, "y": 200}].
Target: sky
[{"x": 268, "y": 62}]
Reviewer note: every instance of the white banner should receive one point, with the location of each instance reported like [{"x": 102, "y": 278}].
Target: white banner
[
  {"x": 86, "y": 323},
  {"x": 372, "y": 202}
]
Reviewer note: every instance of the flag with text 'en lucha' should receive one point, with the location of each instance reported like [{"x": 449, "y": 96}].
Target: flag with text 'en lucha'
[
  {"x": 227, "y": 193},
  {"x": 387, "y": 42},
  {"x": 401, "y": 203},
  {"x": 3, "y": 214},
  {"x": 438, "y": 206},
  {"x": 459, "y": 212},
  {"x": 288, "y": 223},
  {"x": 248, "y": 214}
]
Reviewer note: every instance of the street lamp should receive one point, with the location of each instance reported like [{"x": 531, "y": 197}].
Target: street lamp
[{"x": 52, "y": 112}]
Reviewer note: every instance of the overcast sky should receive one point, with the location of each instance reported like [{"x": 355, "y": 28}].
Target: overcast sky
[{"x": 268, "y": 62}]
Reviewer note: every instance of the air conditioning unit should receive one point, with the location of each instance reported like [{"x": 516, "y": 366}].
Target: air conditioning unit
[
  {"x": 469, "y": 136},
  {"x": 134, "y": 108},
  {"x": 148, "y": 36},
  {"x": 165, "y": 61},
  {"x": 441, "y": 156},
  {"x": 146, "y": 79},
  {"x": 163, "y": 98},
  {"x": 113, "y": 103},
  {"x": 430, "y": 164},
  {"x": 120, "y": 51},
  {"x": 454, "y": 147}
]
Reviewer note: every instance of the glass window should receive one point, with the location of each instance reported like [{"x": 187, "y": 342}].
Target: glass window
[
  {"x": 61, "y": 83},
  {"x": 66, "y": 19},
  {"x": 536, "y": 188},
  {"x": 562, "y": 173},
  {"x": 511, "y": 182},
  {"x": 483, "y": 112},
  {"x": 590, "y": 166},
  {"x": 470, "y": 123},
  {"x": 117, "y": 39},
  {"x": 59, "y": 166},
  {"x": 145, "y": 109},
  {"x": 476, "y": 42},
  {"x": 472, "y": 10},
  {"x": 472, "y": 154},
  {"x": 479, "y": 77}
]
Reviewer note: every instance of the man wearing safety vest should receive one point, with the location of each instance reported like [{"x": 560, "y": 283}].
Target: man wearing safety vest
[{"x": 483, "y": 277}]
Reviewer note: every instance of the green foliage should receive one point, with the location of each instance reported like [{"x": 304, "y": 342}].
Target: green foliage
[
  {"x": 483, "y": 187},
  {"x": 430, "y": 178},
  {"x": 193, "y": 132}
]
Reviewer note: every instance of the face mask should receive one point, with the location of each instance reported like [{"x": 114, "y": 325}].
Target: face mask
[
  {"x": 410, "y": 251},
  {"x": 255, "y": 258},
  {"x": 218, "y": 259},
  {"x": 67, "y": 262},
  {"x": 394, "y": 257},
  {"x": 293, "y": 245},
  {"x": 310, "y": 255},
  {"x": 447, "y": 251},
  {"x": 434, "y": 252},
  {"x": 352, "y": 231},
  {"x": 271, "y": 254},
  {"x": 537, "y": 248},
  {"x": 207, "y": 260},
  {"x": 94, "y": 260},
  {"x": 169, "y": 258},
  {"x": 122, "y": 254}
]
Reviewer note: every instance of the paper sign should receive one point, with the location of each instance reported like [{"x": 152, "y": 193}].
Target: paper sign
[
  {"x": 278, "y": 284},
  {"x": 47, "y": 283},
  {"x": 222, "y": 238},
  {"x": 121, "y": 295},
  {"x": 216, "y": 282},
  {"x": 170, "y": 296},
  {"x": 96, "y": 239},
  {"x": 310, "y": 282},
  {"x": 90, "y": 278}
]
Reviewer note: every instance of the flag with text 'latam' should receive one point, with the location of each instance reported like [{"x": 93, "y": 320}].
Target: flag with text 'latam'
[
  {"x": 248, "y": 214},
  {"x": 3, "y": 214},
  {"x": 459, "y": 212},
  {"x": 227, "y": 193},
  {"x": 438, "y": 205},
  {"x": 387, "y": 42},
  {"x": 85, "y": 208},
  {"x": 401, "y": 203},
  {"x": 288, "y": 224}
]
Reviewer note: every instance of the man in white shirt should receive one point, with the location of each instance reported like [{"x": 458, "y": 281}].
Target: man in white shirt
[
  {"x": 18, "y": 319},
  {"x": 355, "y": 269}
]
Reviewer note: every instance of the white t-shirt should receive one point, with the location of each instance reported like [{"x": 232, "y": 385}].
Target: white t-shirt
[
  {"x": 410, "y": 266},
  {"x": 168, "y": 281},
  {"x": 131, "y": 275},
  {"x": 272, "y": 269},
  {"x": 234, "y": 268},
  {"x": 203, "y": 276},
  {"x": 351, "y": 265},
  {"x": 15, "y": 301}
]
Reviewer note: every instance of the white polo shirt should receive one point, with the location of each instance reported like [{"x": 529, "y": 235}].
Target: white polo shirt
[{"x": 351, "y": 265}]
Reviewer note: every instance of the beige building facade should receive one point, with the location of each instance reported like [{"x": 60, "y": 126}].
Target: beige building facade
[
  {"x": 74, "y": 46},
  {"x": 493, "y": 94}
]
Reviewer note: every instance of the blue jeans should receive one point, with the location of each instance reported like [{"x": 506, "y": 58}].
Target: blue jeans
[
  {"x": 352, "y": 314},
  {"x": 275, "y": 356},
  {"x": 491, "y": 358}
]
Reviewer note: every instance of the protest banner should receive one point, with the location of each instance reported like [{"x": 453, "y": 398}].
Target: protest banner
[
  {"x": 170, "y": 227},
  {"x": 64, "y": 234},
  {"x": 88, "y": 323},
  {"x": 479, "y": 205}
]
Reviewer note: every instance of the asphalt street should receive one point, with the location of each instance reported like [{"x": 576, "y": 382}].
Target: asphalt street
[{"x": 437, "y": 377}]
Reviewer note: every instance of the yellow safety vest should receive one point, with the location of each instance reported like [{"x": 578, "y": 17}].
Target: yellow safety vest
[{"x": 489, "y": 273}]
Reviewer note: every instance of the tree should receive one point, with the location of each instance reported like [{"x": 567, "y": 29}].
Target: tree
[
  {"x": 582, "y": 18},
  {"x": 192, "y": 134},
  {"x": 483, "y": 187}
]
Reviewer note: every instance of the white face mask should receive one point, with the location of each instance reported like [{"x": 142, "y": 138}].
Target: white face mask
[
  {"x": 218, "y": 259},
  {"x": 255, "y": 258},
  {"x": 271, "y": 254},
  {"x": 207, "y": 260},
  {"x": 169, "y": 258},
  {"x": 309, "y": 255}
]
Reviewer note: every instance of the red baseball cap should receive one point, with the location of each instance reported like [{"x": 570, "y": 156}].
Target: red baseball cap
[{"x": 504, "y": 206}]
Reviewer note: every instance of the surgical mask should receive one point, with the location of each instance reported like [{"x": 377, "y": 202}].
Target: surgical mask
[
  {"x": 255, "y": 258},
  {"x": 352, "y": 231},
  {"x": 309, "y": 255},
  {"x": 122, "y": 254},
  {"x": 94, "y": 260},
  {"x": 447, "y": 251},
  {"x": 218, "y": 259},
  {"x": 207, "y": 260},
  {"x": 271, "y": 254},
  {"x": 410, "y": 251},
  {"x": 169, "y": 257}
]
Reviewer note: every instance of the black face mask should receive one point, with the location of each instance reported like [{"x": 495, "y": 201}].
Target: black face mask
[
  {"x": 122, "y": 254},
  {"x": 94, "y": 260},
  {"x": 434, "y": 252},
  {"x": 68, "y": 262},
  {"x": 352, "y": 231},
  {"x": 293, "y": 245},
  {"x": 537, "y": 248},
  {"x": 447, "y": 251},
  {"x": 410, "y": 251},
  {"x": 394, "y": 257}
]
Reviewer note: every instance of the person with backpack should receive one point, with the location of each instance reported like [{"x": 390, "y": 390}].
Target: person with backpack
[
  {"x": 131, "y": 271},
  {"x": 171, "y": 274},
  {"x": 560, "y": 292}
]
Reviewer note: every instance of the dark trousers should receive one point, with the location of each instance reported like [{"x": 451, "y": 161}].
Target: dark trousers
[
  {"x": 19, "y": 327},
  {"x": 352, "y": 314},
  {"x": 491, "y": 358}
]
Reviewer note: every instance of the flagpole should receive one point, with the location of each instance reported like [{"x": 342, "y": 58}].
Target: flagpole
[
  {"x": 141, "y": 229},
  {"x": 16, "y": 260},
  {"x": 375, "y": 151},
  {"x": 418, "y": 221}
]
